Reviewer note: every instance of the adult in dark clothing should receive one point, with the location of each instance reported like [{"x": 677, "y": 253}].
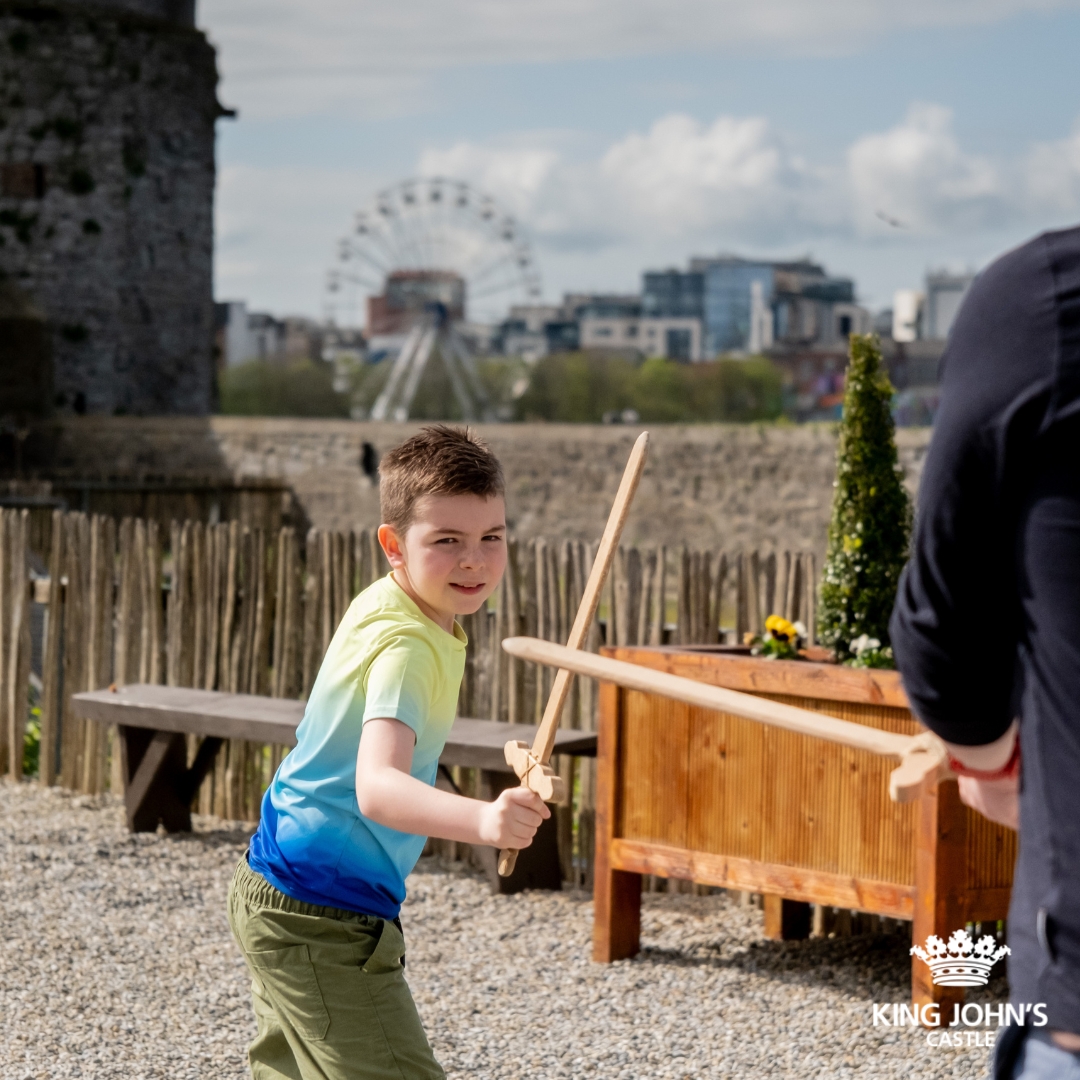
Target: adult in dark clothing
[{"x": 986, "y": 628}]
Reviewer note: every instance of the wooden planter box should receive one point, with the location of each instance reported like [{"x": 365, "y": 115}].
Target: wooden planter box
[{"x": 688, "y": 793}]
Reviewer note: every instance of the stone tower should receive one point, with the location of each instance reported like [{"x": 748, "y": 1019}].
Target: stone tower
[{"x": 107, "y": 113}]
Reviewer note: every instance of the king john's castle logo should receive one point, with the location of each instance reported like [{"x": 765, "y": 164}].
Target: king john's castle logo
[{"x": 963, "y": 962}]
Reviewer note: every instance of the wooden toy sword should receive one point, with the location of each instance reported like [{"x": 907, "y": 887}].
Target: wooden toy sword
[
  {"x": 922, "y": 757},
  {"x": 531, "y": 765}
]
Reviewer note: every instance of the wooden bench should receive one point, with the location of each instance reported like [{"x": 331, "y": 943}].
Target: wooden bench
[{"x": 159, "y": 784}]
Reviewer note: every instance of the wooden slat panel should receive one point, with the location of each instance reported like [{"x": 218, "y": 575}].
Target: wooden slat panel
[
  {"x": 991, "y": 854},
  {"x": 792, "y": 822},
  {"x": 747, "y": 790},
  {"x": 727, "y": 761},
  {"x": 759, "y": 793},
  {"x": 655, "y": 752}
]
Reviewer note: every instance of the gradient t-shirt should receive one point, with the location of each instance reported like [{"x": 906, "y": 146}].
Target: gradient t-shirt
[{"x": 387, "y": 659}]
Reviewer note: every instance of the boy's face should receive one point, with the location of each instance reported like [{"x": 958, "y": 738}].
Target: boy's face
[{"x": 452, "y": 555}]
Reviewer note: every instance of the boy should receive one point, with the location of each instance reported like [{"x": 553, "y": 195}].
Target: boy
[{"x": 314, "y": 904}]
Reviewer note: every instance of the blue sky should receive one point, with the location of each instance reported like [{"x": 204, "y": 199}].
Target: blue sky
[{"x": 631, "y": 134}]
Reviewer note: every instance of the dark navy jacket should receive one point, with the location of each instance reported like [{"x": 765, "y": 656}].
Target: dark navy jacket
[{"x": 987, "y": 618}]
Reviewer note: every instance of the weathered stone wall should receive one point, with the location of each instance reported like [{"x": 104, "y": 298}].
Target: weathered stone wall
[
  {"x": 107, "y": 113},
  {"x": 705, "y": 485},
  {"x": 181, "y": 12}
]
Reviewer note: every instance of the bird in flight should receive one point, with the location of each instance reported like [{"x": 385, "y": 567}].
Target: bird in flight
[{"x": 889, "y": 220}]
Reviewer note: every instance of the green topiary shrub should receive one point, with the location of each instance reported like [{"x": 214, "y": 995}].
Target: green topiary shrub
[{"x": 871, "y": 518}]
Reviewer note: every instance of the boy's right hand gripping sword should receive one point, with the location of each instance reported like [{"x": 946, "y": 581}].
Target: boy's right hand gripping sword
[{"x": 531, "y": 765}]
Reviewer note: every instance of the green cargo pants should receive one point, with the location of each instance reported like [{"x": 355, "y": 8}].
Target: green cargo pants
[{"x": 329, "y": 990}]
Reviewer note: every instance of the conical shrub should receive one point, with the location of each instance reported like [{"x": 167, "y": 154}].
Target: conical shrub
[{"x": 871, "y": 516}]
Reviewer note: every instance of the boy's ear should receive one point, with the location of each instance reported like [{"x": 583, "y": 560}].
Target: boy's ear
[{"x": 391, "y": 545}]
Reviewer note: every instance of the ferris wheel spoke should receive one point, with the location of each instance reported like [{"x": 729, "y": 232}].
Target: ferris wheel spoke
[
  {"x": 384, "y": 246},
  {"x": 357, "y": 252},
  {"x": 505, "y": 266},
  {"x": 493, "y": 291},
  {"x": 358, "y": 276},
  {"x": 367, "y": 284},
  {"x": 434, "y": 224},
  {"x": 411, "y": 245}
]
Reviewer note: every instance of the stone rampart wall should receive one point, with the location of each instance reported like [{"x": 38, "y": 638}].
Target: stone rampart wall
[{"x": 705, "y": 485}]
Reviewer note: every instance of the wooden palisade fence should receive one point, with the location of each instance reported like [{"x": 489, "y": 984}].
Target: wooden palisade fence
[{"x": 225, "y": 607}]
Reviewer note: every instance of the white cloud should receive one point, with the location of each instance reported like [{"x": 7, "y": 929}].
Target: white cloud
[
  {"x": 276, "y": 230},
  {"x": 521, "y": 175},
  {"x": 281, "y": 57},
  {"x": 918, "y": 175},
  {"x": 735, "y": 174},
  {"x": 1052, "y": 175},
  {"x": 737, "y": 182},
  {"x": 679, "y": 179},
  {"x": 657, "y": 196}
]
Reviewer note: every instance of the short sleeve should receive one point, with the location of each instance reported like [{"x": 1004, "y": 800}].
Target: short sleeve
[{"x": 399, "y": 683}]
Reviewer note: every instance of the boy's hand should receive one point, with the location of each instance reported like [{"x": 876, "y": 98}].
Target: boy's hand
[{"x": 512, "y": 819}]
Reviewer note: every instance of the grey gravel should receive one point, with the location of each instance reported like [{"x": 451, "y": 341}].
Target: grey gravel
[{"x": 116, "y": 961}]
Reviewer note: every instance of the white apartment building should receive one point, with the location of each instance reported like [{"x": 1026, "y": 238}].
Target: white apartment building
[{"x": 671, "y": 338}]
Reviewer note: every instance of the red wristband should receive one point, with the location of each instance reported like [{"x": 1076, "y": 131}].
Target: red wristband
[{"x": 1007, "y": 771}]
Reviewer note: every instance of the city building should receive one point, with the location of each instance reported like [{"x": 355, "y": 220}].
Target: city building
[
  {"x": 944, "y": 294},
  {"x": 615, "y": 322},
  {"x": 751, "y": 306},
  {"x": 601, "y": 306},
  {"x": 670, "y": 338},
  {"x": 532, "y": 318},
  {"x": 927, "y": 314},
  {"x": 920, "y": 323},
  {"x": 673, "y": 294},
  {"x": 535, "y": 330},
  {"x": 727, "y": 300},
  {"x": 725, "y": 305},
  {"x": 523, "y": 333},
  {"x": 242, "y": 335},
  {"x": 907, "y": 315}
]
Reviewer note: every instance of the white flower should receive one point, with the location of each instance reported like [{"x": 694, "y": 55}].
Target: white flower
[
  {"x": 863, "y": 643},
  {"x": 800, "y": 628}
]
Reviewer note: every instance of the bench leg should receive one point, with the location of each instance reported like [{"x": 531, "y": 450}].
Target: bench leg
[
  {"x": 203, "y": 763},
  {"x": 155, "y": 770},
  {"x": 786, "y": 920}
]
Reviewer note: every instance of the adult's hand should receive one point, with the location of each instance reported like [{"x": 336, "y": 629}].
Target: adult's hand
[{"x": 998, "y": 800}]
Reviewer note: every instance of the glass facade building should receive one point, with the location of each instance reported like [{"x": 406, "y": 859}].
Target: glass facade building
[
  {"x": 673, "y": 294},
  {"x": 727, "y": 304}
]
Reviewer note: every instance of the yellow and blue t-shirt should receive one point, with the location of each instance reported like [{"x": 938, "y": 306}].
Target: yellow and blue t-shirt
[{"x": 387, "y": 659}]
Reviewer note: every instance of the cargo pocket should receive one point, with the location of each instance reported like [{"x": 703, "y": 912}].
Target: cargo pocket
[
  {"x": 388, "y": 953},
  {"x": 288, "y": 979}
]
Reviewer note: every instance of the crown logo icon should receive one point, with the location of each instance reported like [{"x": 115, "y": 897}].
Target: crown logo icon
[{"x": 963, "y": 962}]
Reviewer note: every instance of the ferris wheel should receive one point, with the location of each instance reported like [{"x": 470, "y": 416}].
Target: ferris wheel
[{"x": 434, "y": 228}]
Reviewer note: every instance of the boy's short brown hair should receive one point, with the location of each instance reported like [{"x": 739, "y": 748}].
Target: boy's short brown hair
[{"x": 439, "y": 460}]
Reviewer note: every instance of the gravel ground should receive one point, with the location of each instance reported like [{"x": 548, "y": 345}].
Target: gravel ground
[{"x": 116, "y": 961}]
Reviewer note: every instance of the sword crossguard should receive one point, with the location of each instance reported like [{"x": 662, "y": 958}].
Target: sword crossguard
[
  {"x": 925, "y": 762},
  {"x": 533, "y": 773}
]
